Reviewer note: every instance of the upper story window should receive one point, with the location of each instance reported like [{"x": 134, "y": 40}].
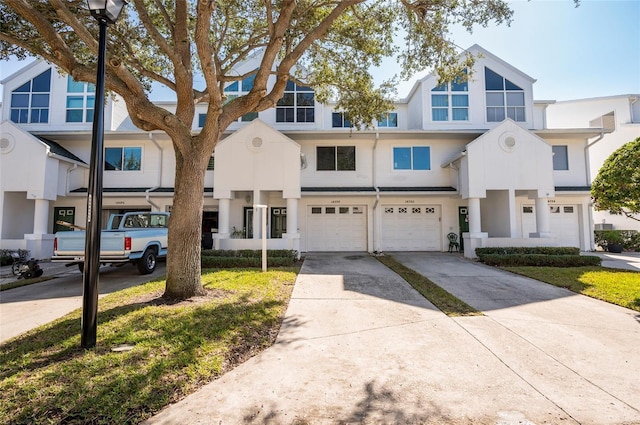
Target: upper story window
[
  {"x": 412, "y": 158},
  {"x": 336, "y": 158},
  {"x": 123, "y": 159},
  {"x": 80, "y": 100},
  {"x": 30, "y": 101},
  {"x": 339, "y": 119},
  {"x": 388, "y": 120},
  {"x": 450, "y": 101},
  {"x": 296, "y": 105},
  {"x": 211, "y": 165},
  {"x": 237, "y": 89},
  {"x": 560, "y": 157},
  {"x": 504, "y": 99},
  {"x": 201, "y": 119}
]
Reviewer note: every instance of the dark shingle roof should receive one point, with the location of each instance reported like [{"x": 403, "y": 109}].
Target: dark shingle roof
[{"x": 59, "y": 150}]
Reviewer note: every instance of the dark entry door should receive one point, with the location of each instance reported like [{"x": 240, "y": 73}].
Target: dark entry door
[
  {"x": 278, "y": 222},
  {"x": 463, "y": 221},
  {"x": 66, "y": 214}
]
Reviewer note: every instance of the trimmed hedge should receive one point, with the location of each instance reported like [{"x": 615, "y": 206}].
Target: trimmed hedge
[
  {"x": 540, "y": 260},
  {"x": 250, "y": 253},
  {"x": 221, "y": 259},
  {"x": 542, "y": 250},
  {"x": 218, "y": 262}
]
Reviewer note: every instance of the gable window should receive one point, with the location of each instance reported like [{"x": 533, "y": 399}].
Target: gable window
[
  {"x": 450, "y": 101},
  {"x": 30, "y": 101},
  {"x": 123, "y": 159},
  {"x": 504, "y": 99},
  {"x": 560, "y": 157},
  {"x": 336, "y": 158},
  {"x": 339, "y": 120},
  {"x": 80, "y": 101},
  {"x": 296, "y": 105},
  {"x": 412, "y": 158},
  {"x": 388, "y": 120},
  {"x": 237, "y": 89}
]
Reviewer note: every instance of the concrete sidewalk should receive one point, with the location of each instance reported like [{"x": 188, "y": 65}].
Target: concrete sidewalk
[{"x": 359, "y": 345}]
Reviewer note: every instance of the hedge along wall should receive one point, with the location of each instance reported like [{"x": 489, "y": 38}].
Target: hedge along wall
[{"x": 536, "y": 256}]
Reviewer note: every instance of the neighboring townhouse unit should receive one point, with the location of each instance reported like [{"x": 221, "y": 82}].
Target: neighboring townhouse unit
[
  {"x": 619, "y": 117},
  {"x": 475, "y": 159}
]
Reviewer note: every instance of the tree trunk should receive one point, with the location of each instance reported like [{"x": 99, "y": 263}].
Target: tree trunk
[{"x": 185, "y": 227}]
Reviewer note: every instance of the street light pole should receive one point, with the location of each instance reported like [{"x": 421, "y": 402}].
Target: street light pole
[{"x": 106, "y": 12}]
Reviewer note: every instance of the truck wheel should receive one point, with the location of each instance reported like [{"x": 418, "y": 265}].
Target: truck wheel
[
  {"x": 147, "y": 263},
  {"x": 81, "y": 267}
]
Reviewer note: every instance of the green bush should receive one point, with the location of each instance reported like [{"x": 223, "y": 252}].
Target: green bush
[
  {"x": 630, "y": 239},
  {"x": 217, "y": 262},
  {"x": 542, "y": 250},
  {"x": 6, "y": 258},
  {"x": 540, "y": 260}
]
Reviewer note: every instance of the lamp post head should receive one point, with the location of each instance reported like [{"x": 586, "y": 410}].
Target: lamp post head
[{"x": 107, "y": 10}]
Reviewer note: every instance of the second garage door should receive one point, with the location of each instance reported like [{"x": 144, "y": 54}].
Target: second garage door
[
  {"x": 337, "y": 228},
  {"x": 411, "y": 228}
]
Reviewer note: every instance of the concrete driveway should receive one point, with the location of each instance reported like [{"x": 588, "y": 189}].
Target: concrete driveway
[
  {"x": 27, "y": 307},
  {"x": 359, "y": 345}
]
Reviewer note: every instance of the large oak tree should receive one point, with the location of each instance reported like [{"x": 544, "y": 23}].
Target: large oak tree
[
  {"x": 327, "y": 44},
  {"x": 616, "y": 188}
]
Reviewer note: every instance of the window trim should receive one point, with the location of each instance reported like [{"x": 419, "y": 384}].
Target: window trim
[
  {"x": 336, "y": 158},
  {"x": 123, "y": 148},
  {"x": 412, "y": 160}
]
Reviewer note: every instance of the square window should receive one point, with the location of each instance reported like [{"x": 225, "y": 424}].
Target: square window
[
  {"x": 316, "y": 210},
  {"x": 401, "y": 158},
  {"x": 74, "y": 115},
  {"x": 527, "y": 209},
  {"x": 568, "y": 210},
  {"x": 344, "y": 210},
  {"x": 357, "y": 210},
  {"x": 346, "y": 158},
  {"x": 330, "y": 210},
  {"x": 326, "y": 158},
  {"x": 421, "y": 158},
  {"x": 560, "y": 157}
]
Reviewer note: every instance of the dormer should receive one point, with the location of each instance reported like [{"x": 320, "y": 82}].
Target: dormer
[
  {"x": 494, "y": 91},
  {"x": 40, "y": 98}
]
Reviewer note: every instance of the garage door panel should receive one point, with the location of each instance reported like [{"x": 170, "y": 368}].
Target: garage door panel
[
  {"x": 337, "y": 228},
  {"x": 411, "y": 228},
  {"x": 564, "y": 223}
]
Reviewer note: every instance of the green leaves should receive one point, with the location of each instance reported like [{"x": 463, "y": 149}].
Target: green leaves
[{"x": 617, "y": 186}]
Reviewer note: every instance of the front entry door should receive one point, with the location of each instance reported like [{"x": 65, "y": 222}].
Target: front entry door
[
  {"x": 248, "y": 222},
  {"x": 278, "y": 222},
  {"x": 463, "y": 221},
  {"x": 66, "y": 214}
]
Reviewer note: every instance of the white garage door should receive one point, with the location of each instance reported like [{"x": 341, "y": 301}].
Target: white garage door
[
  {"x": 411, "y": 228},
  {"x": 564, "y": 224},
  {"x": 337, "y": 228}
]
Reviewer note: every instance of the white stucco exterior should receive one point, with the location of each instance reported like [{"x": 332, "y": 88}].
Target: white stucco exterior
[{"x": 404, "y": 186}]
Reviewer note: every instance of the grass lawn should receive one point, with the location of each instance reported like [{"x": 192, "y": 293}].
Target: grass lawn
[
  {"x": 46, "y": 377},
  {"x": 619, "y": 287}
]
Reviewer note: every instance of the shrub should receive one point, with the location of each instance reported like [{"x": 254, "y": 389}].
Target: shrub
[
  {"x": 218, "y": 262},
  {"x": 540, "y": 260},
  {"x": 542, "y": 250},
  {"x": 250, "y": 253},
  {"x": 630, "y": 239}
]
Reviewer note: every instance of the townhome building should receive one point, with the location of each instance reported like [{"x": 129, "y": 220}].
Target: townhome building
[
  {"x": 476, "y": 159},
  {"x": 619, "y": 117}
]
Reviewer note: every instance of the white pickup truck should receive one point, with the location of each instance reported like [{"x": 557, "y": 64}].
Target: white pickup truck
[{"x": 135, "y": 237}]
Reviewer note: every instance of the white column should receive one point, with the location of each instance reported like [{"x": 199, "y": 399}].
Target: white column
[
  {"x": 513, "y": 210},
  {"x": 40, "y": 217},
  {"x": 543, "y": 219},
  {"x": 292, "y": 216},
  {"x": 475, "y": 221},
  {"x": 223, "y": 218}
]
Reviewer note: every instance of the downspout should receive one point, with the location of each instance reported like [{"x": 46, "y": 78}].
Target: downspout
[
  {"x": 66, "y": 189},
  {"x": 376, "y": 233},
  {"x": 147, "y": 192}
]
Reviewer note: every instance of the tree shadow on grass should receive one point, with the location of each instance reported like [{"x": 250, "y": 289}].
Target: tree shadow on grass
[{"x": 46, "y": 375}]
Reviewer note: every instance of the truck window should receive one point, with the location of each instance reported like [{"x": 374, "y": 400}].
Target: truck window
[{"x": 158, "y": 221}]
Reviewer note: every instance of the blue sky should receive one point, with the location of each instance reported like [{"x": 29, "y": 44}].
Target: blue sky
[{"x": 573, "y": 53}]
